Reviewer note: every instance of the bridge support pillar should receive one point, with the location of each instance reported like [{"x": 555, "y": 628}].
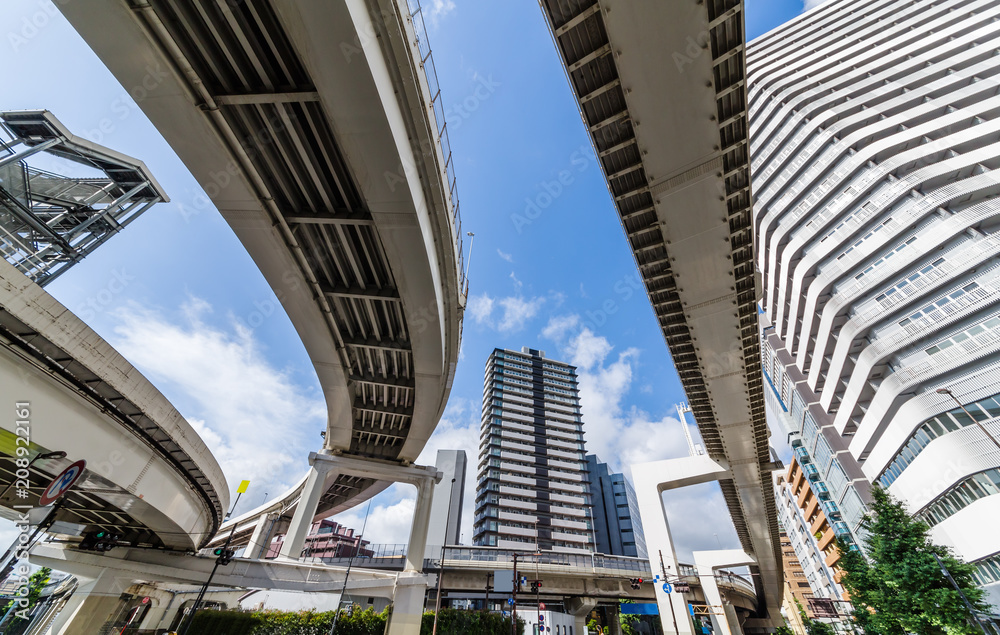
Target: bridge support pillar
[
  {"x": 261, "y": 537},
  {"x": 408, "y": 603},
  {"x": 580, "y": 608},
  {"x": 706, "y": 562},
  {"x": 91, "y": 605},
  {"x": 651, "y": 480},
  {"x": 305, "y": 510},
  {"x": 418, "y": 532}
]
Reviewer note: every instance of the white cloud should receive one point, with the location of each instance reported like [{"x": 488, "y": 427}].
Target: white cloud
[
  {"x": 559, "y": 326},
  {"x": 481, "y": 308},
  {"x": 517, "y": 311},
  {"x": 439, "y": 9},
  {"x": 622, "y": 435},
  {"x": 505, "y": 256},
  {"x": 514, "y": 311},
  {"x": 252, "y": 416},
  {"x": 517, "y": 283},
  {"x": 388, "y": 523},
  {"x": 812, "y": 4}
]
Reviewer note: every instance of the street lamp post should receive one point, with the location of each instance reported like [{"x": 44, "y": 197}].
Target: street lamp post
[
  {"x": 437, "y": 599},
  {"x": 670, "y": 600},
  {"x": 945, "y": 391}
]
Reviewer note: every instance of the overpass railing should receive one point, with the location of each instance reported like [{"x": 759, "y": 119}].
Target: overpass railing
[
  {"x": 550, "y": 562},
  {"x": 441, "y": 127}
]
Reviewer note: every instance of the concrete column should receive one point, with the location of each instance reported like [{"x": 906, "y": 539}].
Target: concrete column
[
  {"x": 260, "y": 539},
  {"x": 418, "y": 532},
  {"x": 580, "y": 608},
  {"x": 614, "y": 623},
  {"x": 651, "y": 479},
  {"x": 305, "y": 511},
  {"x": 706, "y": 562},
  {"x": 90, "y": 606},
  {"x": 408, "y": 603}
]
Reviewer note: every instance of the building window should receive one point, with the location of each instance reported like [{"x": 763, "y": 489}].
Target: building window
[
  {"x": 935, "y": 427},
  {"x": 957, "y": 498},
  {"x": 964, "y": 335}
]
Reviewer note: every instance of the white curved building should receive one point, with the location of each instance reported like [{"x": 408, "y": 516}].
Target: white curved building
[{"x": 875, "y": 148}]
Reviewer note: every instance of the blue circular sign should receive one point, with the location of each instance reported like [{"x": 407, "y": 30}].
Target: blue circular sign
[{"x": 667, "y": 588}]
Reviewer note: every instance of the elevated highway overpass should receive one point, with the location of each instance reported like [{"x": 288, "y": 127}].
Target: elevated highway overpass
[
  {"x": 315, "y": 128},
  {"x": 567, "y": 579},
  {"x": 149, "y": 478},
  {"x": 661, "y": 90}
]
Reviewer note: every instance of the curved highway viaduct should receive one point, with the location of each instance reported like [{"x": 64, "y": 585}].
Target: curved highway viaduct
[{"x": 311, "y": 125}]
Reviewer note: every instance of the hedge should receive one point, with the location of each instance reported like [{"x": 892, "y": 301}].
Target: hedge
[
  {"x": 459, "y": 622},
  {"x": 351, "y": 622},
  {"x": 209, "y": 622}
]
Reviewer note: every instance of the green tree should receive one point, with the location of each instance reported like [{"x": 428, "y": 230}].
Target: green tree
[
  {"x": 900, "y": 588},
  {"x": 627, "y": 623}
]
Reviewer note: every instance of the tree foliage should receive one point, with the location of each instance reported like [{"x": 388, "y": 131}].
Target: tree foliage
[
  {"x": 900, "y": 588},
  {"x": 458, "y": 622},
  {"x": 627, "y": 623},
  {"x": 352, "y": 621}
]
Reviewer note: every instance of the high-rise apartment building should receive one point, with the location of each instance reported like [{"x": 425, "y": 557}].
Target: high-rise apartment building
[
  {"x": 532, "y": 490},
  {"x": 809, "y": 533},
  {"x": 797, "y": 590},
  {"x": 875, "y": 149},
  {"x": 617, "y": 526}
]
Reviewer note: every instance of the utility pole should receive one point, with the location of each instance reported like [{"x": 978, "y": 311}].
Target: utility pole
[
  {"x": 513, "y": 595},
  {"x": 223, "y": 556},
  {"x": 670, "y": 600},
  {"x": 489, "y": 587}
]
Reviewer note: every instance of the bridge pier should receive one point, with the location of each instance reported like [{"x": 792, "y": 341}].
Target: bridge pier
[
  {"x": 411, "y": 584},
  {"x": 91, "y": 604},
  {"x": 706, "y": 562},
  {"x": 580, "y": 608},
  {"x": 320, "y": 471},
  {"x": 651, "y": 480}
]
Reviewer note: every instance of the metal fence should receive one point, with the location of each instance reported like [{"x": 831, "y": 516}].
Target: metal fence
[{"x": 441, "y": 128}]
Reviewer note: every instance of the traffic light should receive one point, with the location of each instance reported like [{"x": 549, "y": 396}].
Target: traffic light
[
  {"x": 535, "y": 585},
  {"x": 99, "y": 541},
  {"x": 224, "y": 555},
  {"x": 636, "y": 583}
]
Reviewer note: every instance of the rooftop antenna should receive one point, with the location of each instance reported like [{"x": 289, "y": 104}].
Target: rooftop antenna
[{"x": 681, "y": 409}]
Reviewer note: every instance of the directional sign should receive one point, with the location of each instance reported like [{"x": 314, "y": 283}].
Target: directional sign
[
  {"x": 667, "y": 588},
  {"x": 61, "y": 484},
  {"x": 510, "y": 601}
]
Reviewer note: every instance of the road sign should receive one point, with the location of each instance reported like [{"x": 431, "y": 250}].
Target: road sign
[
  {"x": 510, "y": 601},
  {"x": 541, "y": 606},
  {"x": 667, "y": 588},
  {"x": 61, "y": 484}
]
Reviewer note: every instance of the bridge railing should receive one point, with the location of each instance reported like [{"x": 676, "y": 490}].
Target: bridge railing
[
  {"x": 441, "y": 127},
  {"x": 551, "y": 562}
]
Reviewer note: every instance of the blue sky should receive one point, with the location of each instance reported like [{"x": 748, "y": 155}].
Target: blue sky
[{"x": 198, "y": 319}]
